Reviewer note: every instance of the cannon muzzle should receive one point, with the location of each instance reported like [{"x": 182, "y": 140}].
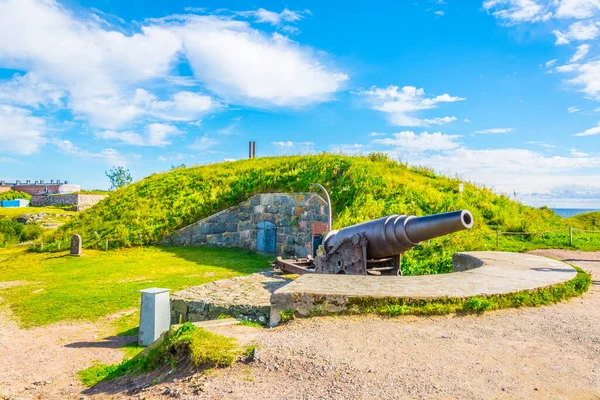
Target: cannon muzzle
[{"x": 393, "y": 235}]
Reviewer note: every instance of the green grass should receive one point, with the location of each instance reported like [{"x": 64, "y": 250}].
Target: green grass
[
  {"x": 252, "y": 324},
  {"x": 478, "y": 304},
  {"x": 361, "y": 188},
  {"x": 584, "y": 221},
  {"x": 100, "y": 283},
  {"x": 11, "y": 212},
  {"x": 205, "y": 350}
]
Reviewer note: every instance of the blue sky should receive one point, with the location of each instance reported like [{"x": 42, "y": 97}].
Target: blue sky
[{"x": 505, "y": 93}]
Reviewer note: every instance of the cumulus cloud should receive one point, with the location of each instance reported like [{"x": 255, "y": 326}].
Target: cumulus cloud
[
  {"x": 495, "y": 130},
  {"x": 401, "y": 105},
  {"x": 516, "y": 11},
  {"x": 590, "y": 132},
  {"x": 108, "y": 156},
  {"x": 578, "y": 31},
  {"x": 20, "y": 131},
  {"x": 586, "y": 77},
  {"x": 105, "y": 76},
  {"x": 289, "y": 147},
  {"x": 408, "y": 140},
  {"x": 204, "y": 144},
  {"x": 577, "y": 8},
  {"x": 573, "y": 109},
  {"x": 155, "y": 135}
]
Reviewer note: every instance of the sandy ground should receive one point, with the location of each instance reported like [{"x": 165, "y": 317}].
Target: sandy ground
[{"x": 547, "y": 352}]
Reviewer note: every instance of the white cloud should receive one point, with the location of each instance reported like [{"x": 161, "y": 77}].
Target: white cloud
[
  {"x": 28, "y": 90},
  {"x": 289, "y": 147},
  {"x": 467, "y": 120},
  {"x": 245, "y": 66},
  {"x": 204, "y": 144},
  {"x": 589, "y": 132},
  {"x": 550, "y": 63},
  {"x": 20, "y": 131},
  {"x": 576, "y": 153},
  {"x": 587, "y": 77},
  {"x": 577, "y": 8},
  {"x": 401, "y": 104},
  {"x": 515, "y": 11},
  {"x": 582, "y": 51},
  {"x": 495, "y": 130},
  {"x": 350, "y": 149},
  {"x": 108, "y": 156},
  {"x": 440, "y": 13},
  {"x": 155, "y": 135},
  {"x": 375, "y": 134},
  {"x": 573, "y": 109},
  {"x": 274, "y": 18},
  {"x": 104, "y": 75},
  {"x": 408, "y": 140},
  {"x": 578, "y": 31}
]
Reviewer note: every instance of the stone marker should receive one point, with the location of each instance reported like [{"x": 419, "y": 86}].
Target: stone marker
[
  {"x": 76, "y": 245},
  {"x": 155, "y": 315}
]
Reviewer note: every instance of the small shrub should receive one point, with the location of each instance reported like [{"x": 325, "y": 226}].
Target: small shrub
[
  {"x": 287, "y": 315},
  {"x": 31, "y": 232},
  {"x": 253, "y": 324},
  {"x": 477, "y": 304}
]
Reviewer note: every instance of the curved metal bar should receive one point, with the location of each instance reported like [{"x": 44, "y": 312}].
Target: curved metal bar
[{"x": 328, "y": 203}]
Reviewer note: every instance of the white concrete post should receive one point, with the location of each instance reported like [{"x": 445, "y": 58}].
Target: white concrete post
[{"x": 155, "y": 315}]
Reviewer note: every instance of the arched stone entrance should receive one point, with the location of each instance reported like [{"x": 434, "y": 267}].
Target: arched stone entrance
[{"x": 266, "y": 237}]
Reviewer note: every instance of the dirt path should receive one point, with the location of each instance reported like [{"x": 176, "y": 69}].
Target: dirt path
[
  {"x": 547, "y": 352},
  {"x": 43, "y": 362}
]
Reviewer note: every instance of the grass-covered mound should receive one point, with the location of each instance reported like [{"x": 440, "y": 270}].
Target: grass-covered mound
[
  {"x": 187, "y": 344},
  {"x": 14, "y": 194},
  {"x": 361, "y": 188},
  {"x": 585, "y": 221}
]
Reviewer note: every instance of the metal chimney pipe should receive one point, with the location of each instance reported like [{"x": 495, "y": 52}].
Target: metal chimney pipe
[
  {"x": 253, "y": 149},
  {"x": 250, "y": 149}
]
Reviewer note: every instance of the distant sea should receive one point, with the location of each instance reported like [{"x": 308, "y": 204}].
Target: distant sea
[{"x": 570, "y": 212}]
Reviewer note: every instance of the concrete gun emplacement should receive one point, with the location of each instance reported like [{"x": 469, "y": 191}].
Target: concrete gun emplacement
[{"x": 374, "y": 247}]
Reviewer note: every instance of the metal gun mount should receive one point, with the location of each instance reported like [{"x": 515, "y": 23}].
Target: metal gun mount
[{"x": 374, "y": 247}]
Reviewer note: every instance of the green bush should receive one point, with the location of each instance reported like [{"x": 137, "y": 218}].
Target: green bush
[
  {"x": 14, "y": 194},
  {"x": 11, "y": 231},
  {"x": 31, "y": 232}
]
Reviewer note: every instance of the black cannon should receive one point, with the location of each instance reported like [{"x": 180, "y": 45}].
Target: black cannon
[{"x": 374, "y": 247}]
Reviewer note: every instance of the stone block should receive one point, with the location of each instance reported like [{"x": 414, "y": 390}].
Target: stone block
[
  {"x": 196, "y": 317},
  {"x": 214, "y": 311},
  {"x": 197, "y": 307},
  {"x": 179, "y": 306},
  {"x": 259, "y": 209},
  {"x": 255, "y": 200}
]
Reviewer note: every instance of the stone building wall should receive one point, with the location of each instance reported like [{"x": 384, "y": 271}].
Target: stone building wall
[
  {"x": 293, "y": 215},
  {"x": 78, "y": 201}
]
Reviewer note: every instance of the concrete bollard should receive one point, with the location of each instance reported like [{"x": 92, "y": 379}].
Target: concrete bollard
[{"x": 155, "y": 315}]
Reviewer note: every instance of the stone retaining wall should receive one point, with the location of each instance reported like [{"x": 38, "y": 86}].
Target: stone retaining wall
[
  {"x": 293, "y": 214},
  {"x": 78, "y": 201}
]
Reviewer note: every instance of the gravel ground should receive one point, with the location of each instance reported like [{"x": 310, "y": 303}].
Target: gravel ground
[{"x": 546, "y": 352}]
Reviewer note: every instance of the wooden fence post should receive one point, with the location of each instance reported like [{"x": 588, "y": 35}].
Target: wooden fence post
[
  {"x": 106, "y": 244},
  {"x": 497, "y": 239}
]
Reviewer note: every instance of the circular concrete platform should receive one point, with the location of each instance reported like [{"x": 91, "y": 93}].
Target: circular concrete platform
[{"x": 476, "y": 274}]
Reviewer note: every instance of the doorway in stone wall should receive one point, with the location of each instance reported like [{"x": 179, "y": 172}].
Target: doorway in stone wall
[{"x": 266, "y": 237}]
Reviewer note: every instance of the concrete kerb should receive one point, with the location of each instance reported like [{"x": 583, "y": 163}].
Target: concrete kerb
[{"x": 475, "y": 274}]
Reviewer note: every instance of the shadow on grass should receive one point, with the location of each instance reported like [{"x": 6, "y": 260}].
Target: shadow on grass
[{"x": 240, "y": 260}]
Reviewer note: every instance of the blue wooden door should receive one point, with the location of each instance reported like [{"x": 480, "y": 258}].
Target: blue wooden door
[{"x": 266, "y": 236}]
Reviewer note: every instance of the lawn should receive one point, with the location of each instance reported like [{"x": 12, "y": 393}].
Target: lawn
[
  {"x": 61, "y": 287},
  {"x": 11, "y": 212}
]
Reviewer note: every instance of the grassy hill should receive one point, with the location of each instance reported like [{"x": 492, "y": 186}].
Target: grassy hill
[
  {"x": 361, "y": 188},
  {"x": 584, "y": 221}
]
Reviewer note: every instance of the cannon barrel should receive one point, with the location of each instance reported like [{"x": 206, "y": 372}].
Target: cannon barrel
[{"x": 395, "y": 234}]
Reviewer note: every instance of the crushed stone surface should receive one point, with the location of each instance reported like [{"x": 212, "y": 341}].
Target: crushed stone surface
[{"x": 546, "y": 352}]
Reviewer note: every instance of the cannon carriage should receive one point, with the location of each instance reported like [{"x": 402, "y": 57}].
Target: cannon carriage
[{"x": 374, "y": 247}]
